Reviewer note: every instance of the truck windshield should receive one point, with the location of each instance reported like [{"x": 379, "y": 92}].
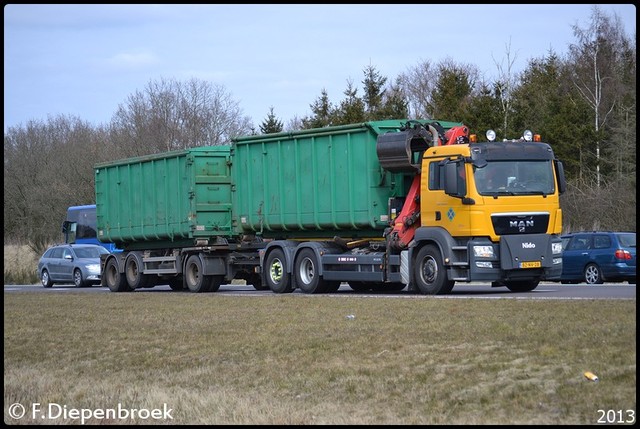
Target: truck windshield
[{"x": 515, "y": 178}]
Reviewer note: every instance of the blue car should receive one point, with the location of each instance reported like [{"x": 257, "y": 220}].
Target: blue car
[{"x": 596, "y": 257}]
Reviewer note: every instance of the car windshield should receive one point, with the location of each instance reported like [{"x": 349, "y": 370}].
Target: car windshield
[
  {"x": 627, "y": 240},
  {"x": 89, "y": 252}
]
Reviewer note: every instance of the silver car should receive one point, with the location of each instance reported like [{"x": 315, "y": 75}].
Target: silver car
[{"x": 71, "y": 263}]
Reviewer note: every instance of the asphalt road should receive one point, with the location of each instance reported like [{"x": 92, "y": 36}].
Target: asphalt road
[{"x": 461, "y": 290}]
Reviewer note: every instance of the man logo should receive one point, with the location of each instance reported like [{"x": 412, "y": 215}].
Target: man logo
[{"x": 521, "y": 224}]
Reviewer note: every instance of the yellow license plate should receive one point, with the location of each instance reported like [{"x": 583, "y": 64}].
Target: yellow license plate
[{"x": 533, "y": 264}]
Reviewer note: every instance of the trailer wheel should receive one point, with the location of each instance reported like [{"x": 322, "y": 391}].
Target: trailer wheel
[
  {"x": 521, "y": 285},
  {"x": 133, "y": 268},
  {"x": 306, "y": 272},
  {"x": 278, "y": 280},
  {"x": 430, "y": 275},
  {"x": 196, "y": 281},
  {"x": 115, "y": 281}
]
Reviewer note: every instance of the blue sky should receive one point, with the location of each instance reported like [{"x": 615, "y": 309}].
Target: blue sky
[{"x": 85, "y": 60}]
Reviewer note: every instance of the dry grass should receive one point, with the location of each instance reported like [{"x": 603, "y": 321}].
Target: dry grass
[
  {"x": 20, "y": 264},
  {"x": 297, "y": 359}
]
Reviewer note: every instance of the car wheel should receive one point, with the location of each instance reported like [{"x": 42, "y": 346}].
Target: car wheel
[
  {"x": 45, "y": 279},
  {"x": 78, "y": 281},
  {"x": 592, "y": 274}
]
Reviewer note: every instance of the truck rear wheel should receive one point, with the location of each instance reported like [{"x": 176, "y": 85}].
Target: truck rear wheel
[
  {"x": 115, "y": 281},
  {"x": 133, "y": 268},
  {"x": 278, "y": 280},
  {"x": 196, "y": 281},
  {"x": 430, "y": 275},
  {"x": 306, "y": 272}
]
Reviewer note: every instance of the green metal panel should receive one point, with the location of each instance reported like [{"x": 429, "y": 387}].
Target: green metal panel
[
  {"x": 314, "y": 183},
  {"x": 175, "y": 197}
]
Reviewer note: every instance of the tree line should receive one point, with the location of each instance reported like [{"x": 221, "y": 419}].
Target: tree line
[{"x": 582, "y": 102}]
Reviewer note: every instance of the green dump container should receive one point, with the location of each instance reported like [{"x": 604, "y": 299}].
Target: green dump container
[
  {"x": 314, "y": 183},
  {"x": 170, "y": 199}
]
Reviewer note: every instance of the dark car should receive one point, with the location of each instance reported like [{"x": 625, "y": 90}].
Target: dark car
[
  {"x": 596, "y": 257},
  {"x": 71, "y": 263}
]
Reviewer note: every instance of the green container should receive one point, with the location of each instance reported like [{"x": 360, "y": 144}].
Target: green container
[
  {"x": 314, "y": 183},
  {"x": 170, "y": 199}
]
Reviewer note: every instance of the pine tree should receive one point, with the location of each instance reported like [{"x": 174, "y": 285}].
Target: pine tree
[{"x": 271, "y": 124}]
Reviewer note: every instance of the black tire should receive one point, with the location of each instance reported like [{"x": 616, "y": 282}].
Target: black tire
[
  {"x": 306, "y": 272},
  {"x": 255, "y": 280},
  {"x": 429, "y": 272},
  {"x": 332, "y": 286},
  {"x": 360, "y": 286},
  {"x": 78, "y": 281},
  {"x": 176, "y": 283},
  {"x": 522, "y": 285},
  {"x": 388, "y": 287},
  {"x": 45, "y": 279},
  {"x": 278, "y": 280},
  {"x": 196, "y": 281},
  {"x": 215, "y": 282},
  {"x": 593, "y": 275},
  {"x": 133, "y": 268},
  {"x": 115, "y": 281}
]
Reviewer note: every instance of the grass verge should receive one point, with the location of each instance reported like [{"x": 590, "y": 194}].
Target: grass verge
[{"x": 298, "y": 359}]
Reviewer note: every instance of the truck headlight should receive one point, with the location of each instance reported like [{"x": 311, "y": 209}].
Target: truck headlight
[
  {"x": 556, "y": 248},
  {"x": 483, "y": 251}
]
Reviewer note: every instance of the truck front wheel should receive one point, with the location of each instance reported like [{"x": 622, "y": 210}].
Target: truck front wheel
[
  {"x": 429, "y": 272},
  {"x": 278, "y": 279}
]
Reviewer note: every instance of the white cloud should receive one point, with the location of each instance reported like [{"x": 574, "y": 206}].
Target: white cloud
[{"x": 130, "y": 61}]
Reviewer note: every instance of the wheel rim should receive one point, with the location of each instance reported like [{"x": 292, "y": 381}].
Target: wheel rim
[
  {"x": 307, "y": 271},
  {"x": 132, "y": 271},
  {"x": 591, "y": 275},
  {"x": 111, "y": 274},
  {"x": 429, "y": 270},
  {"x": 275, "y": 271},
  {"x": 45, "y": 278},
  {"x": 77, "y": 277},
  {"x": 193, "y": 274}
]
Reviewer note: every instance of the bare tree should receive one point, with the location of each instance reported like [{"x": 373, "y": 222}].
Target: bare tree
[
  {"x": 595, "y": 57},
  {"x": 48, "y": 166},
  {"x": 170, "y": 115},
  {"x": 417, "y": 84},
  {"x": 505, "y": 85}
]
